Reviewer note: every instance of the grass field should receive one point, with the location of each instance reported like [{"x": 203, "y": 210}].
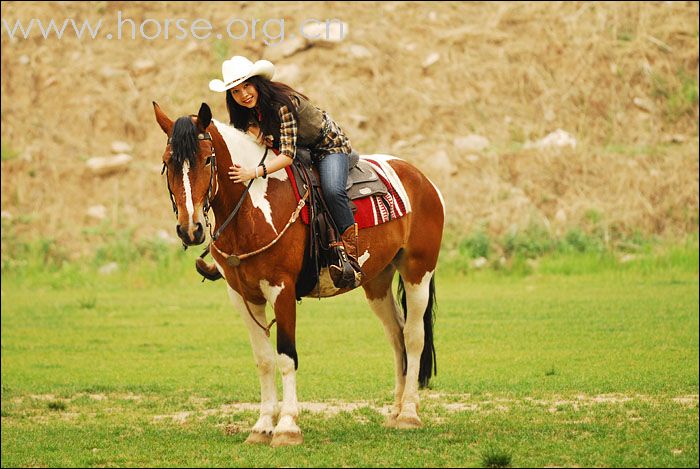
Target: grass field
[{"x": 584, "y": 362}]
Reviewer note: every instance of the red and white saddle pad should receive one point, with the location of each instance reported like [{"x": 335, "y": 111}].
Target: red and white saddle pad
[{"x": 374, "y": 209}]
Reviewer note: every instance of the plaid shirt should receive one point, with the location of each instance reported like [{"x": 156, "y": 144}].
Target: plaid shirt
[{"x": 333, "y": 141}]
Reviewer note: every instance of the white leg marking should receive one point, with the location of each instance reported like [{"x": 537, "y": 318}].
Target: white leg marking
[
  {"x": 417, "y": 296},
  {"x": 388, "y": 312},
  {"x": 265, "y": 360},
  {"x": 290, "y": 406}
]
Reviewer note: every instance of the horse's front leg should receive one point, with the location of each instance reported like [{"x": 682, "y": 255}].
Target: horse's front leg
[
  {"x": 265, "y": 361},
  {"x": 283, "y": 299}
]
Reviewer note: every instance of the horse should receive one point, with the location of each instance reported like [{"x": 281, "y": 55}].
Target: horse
[{"x": 197, "y": 155}]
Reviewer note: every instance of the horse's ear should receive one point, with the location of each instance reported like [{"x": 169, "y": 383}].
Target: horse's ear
[
  {"x": 204, "y": 117},
  {"x": 164, "y": 121}
]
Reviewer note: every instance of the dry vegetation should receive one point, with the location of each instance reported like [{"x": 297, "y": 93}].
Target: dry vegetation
[{"x": 510, "y": 72}]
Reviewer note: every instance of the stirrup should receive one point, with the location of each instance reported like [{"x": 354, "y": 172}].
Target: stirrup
[{"x": 344, "y": 274}]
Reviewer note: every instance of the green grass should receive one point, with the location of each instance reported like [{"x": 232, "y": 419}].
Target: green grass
[{"x": 583, "y": 361}]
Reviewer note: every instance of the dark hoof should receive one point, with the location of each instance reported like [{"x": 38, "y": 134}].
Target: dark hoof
[{"x": 208, "y": 271}]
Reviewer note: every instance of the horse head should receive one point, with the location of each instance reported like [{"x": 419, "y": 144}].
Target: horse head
[{"x": 190, "y": 163}]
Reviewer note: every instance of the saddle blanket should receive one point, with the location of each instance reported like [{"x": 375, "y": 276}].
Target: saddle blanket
[{"x": 374, "y": 209}]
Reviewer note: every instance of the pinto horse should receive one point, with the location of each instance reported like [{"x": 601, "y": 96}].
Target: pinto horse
[{"x": 266, "y": 242}]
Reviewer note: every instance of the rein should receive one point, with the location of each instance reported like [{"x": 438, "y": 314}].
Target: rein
[{"x": 216, "y": 235}]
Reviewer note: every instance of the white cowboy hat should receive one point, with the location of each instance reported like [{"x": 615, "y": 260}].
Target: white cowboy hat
[{"x": 238, "y": 69}]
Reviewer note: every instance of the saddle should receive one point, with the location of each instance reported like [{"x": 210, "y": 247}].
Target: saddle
[{"x": 362, "y": 182}]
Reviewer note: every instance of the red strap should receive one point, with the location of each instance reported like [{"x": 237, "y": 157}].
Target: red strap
[{"x": 305, "y": 210}]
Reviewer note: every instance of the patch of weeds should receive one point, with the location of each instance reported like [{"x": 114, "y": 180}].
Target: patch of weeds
[
  {"x": 8, "y": 153},
  {"x": 88, "y": 302},
  {"x": 684, "y": 98},
  {"x": 493, "y": 456},
  {"x": 221, "y": 49},
  {"x": 56, "y": 405},
  {"x": 550, "y": 372},
  {"x": 475, "y": 246},
  {"x": 530, "y": 243}
]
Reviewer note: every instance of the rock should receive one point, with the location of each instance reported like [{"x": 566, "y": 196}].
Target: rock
[
  {"x": 120, "y": 147},
  {"x": 440, "y": 162},
  {"x": 278, "y": 51},
  {"x": 328, "y": 31},
  {"x": 359, "y": 120},
  {"x": 472, "y": 158},
  {"x": 675, "y": 138},
  {"x": 359, "y": 52},
  {"x": 558, "y": 138},
  {"x": 430, "y": 59},
  {"x": 109, "y": 72},
  {"x": 471, "y": 143},
  {"x": 627, "y": 258},
  {"x": 165, "y": 236},
  {"x": 98, "y": 212},
  {"x": 560, "y": 216},
  {"x": 143, "y": 65},
  {"x": 287, "y": 73},
  {"x": 643, "y": 104},
  {"x": 24, "y": 59},
  {"x": 109, "y": 268},
  {"x": 479, "y": 262},
  {"x": 102, "y": 166}
]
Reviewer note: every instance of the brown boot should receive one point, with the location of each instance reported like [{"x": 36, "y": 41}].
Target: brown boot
[
  {"x": 208, "y": 271},
  {"x": 348, "y": 273}
]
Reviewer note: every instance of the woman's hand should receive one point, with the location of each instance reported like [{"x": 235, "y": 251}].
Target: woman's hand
[{"x": 240, "y": 174}]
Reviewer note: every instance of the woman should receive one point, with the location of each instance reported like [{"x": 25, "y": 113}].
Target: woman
[{"x": 284, "y": 119}]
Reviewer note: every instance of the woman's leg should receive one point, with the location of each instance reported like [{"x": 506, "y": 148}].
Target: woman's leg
[{"x": 333, "y": 172}]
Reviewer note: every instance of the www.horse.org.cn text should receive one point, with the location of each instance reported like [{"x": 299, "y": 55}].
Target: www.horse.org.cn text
[{"x": 272, "y": 31}]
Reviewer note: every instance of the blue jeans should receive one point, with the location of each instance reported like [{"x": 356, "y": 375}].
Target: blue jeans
[{"x": 333, "y": 172}]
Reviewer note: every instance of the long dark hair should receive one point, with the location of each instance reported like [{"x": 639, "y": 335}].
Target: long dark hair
[
  {"x": 272, "y": 95},
  {"x": 184, "y": 141}
]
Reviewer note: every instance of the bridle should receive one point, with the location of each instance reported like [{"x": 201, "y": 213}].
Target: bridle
[
  {"x": 207, "y": 201},
  {"x": 211, "y": 159}
]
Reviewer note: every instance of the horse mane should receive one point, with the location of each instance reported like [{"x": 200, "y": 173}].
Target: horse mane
[{"x": 184, "y": 141}]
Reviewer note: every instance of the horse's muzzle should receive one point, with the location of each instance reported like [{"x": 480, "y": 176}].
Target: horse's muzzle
[{"x": 190, "y": 237}]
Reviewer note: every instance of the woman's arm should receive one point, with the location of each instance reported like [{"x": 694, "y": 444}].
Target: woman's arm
[
  {"x": 240, "y": 174},
  {"x": 288, "y": 142}
]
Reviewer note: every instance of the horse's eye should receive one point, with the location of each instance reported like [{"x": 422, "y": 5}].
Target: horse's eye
[{"x": 207, "y": 162}]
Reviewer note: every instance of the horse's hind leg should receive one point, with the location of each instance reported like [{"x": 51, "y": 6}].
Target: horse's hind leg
[
  {"x": 418, "y": 292},
  {"x": 265, "y": 360},
  {"x": 381, "y": 300}
]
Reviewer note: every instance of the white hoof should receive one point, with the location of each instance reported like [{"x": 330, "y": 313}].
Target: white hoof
[
  {"x": 259, "y": 438},
  {"x": 286, "y": 439},
  {"x": 408, "y": 421}
]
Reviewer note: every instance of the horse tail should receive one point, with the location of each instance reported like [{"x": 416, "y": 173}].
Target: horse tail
[{"x": 428, "y": 359}]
